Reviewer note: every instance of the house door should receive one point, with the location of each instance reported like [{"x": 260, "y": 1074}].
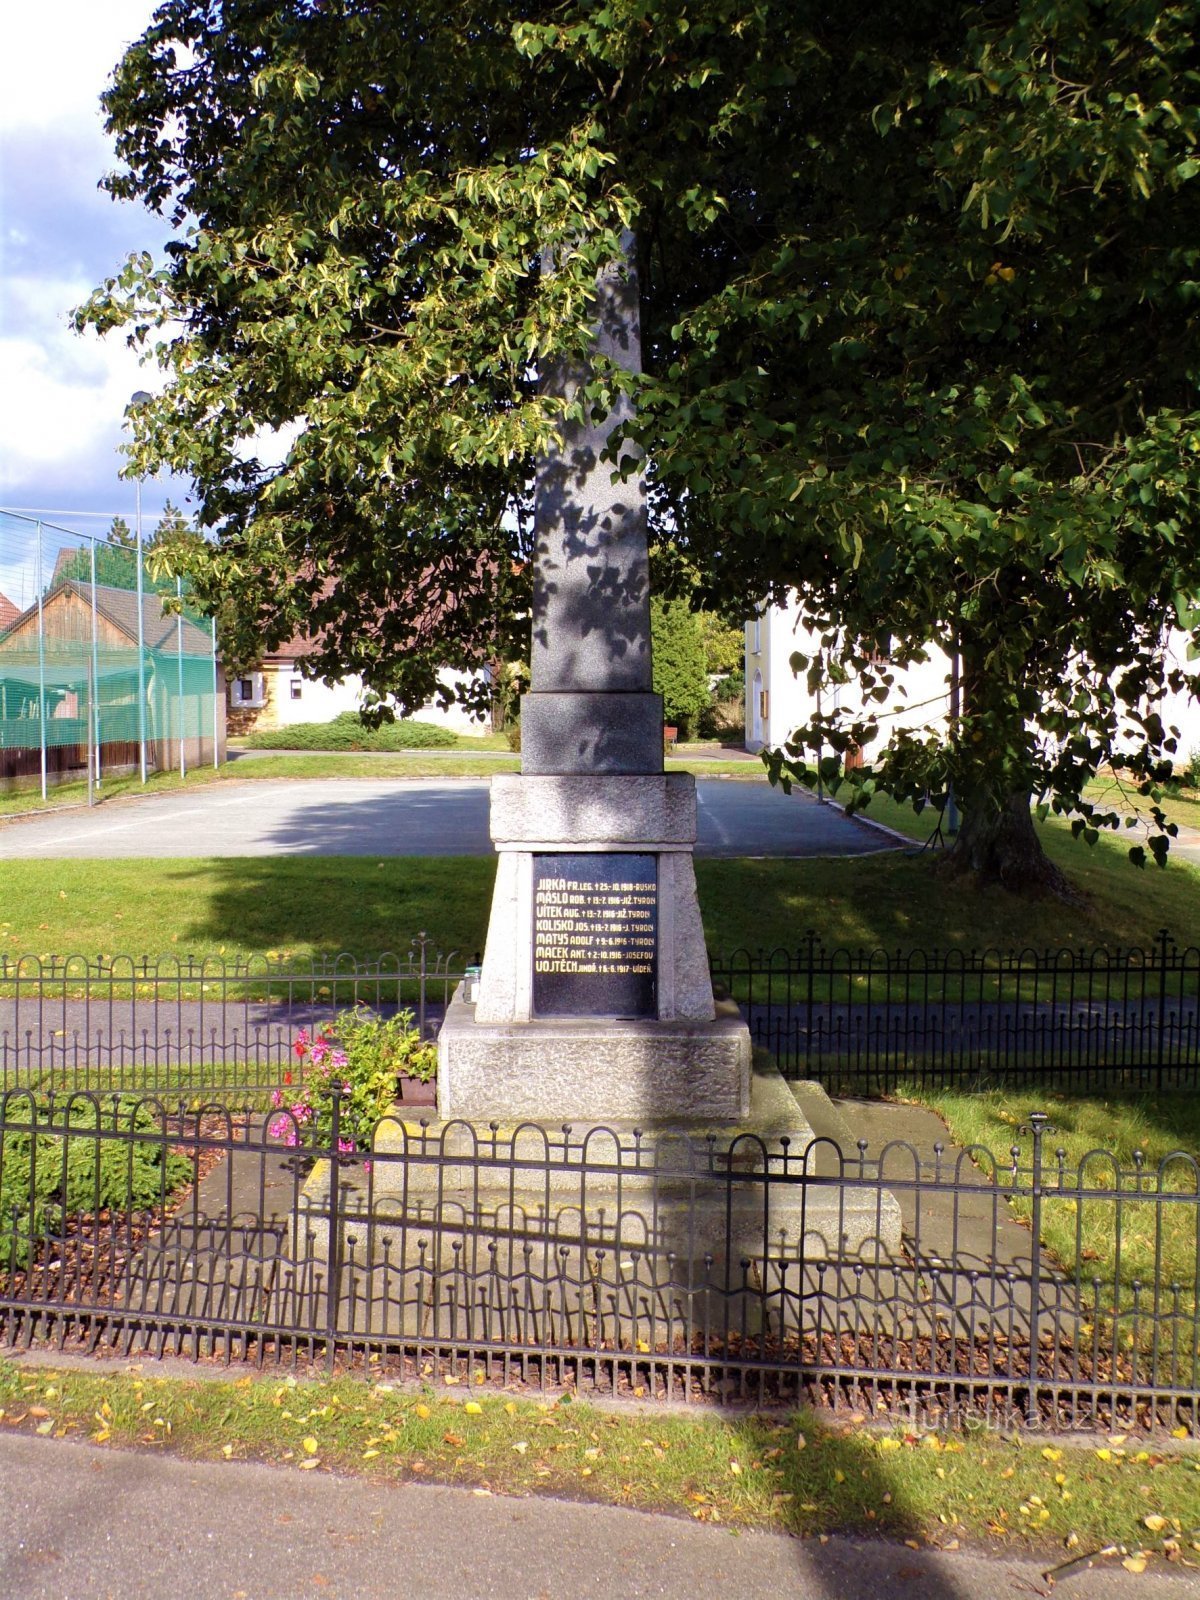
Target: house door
[{"x": 756, "y": 705}]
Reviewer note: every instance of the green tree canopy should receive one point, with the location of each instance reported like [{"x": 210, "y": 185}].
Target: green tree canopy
[{"x": 919, "y": 326}]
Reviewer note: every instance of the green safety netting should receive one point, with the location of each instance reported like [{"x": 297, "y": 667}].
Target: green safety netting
[{"x": 73, "y": 685}]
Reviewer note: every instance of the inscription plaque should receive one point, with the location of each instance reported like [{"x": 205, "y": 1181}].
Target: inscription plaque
[{"x": 595, "y": 935}]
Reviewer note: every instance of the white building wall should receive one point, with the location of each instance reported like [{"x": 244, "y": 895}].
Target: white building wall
[
  {"x": 777, "y": 634},
  {"x": 921, "y": 699},
  {"x": 322, "y": 702}
]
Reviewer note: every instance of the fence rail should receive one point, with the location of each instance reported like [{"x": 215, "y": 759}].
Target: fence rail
[
  {"x": 181, "y": 1025},
  {"x": 868, "y": 1020},
  {"x": 602, "y": 1263},
  {"x": 858, "y": 1021}
]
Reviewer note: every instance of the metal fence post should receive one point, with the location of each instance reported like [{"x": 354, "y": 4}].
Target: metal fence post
[
  {"x": 1038, "y": 1122},
  {"x": 422, "y": 942},
  {"x": 1164, "y": 942},
  {"x": 810, "y": 939},
  {"x": 334, "y": 1286}
]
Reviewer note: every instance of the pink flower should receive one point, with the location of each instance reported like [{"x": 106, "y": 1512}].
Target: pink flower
[
  {"x": 346, "y": 1147},
  {"x": 277, "y": 1098},
  {"x": 338, "y": 1058}
]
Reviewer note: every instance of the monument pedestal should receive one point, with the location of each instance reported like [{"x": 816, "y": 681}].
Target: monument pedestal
[
  {"x": 579, "y": 1070},
  {"x": 594, "y": 1000}
]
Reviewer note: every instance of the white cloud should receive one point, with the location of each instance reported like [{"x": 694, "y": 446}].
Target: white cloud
[{"x": 63, "y": 400}]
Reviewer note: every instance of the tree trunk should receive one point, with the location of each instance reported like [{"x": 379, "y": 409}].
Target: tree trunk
[{"x": 999, "y": 844}]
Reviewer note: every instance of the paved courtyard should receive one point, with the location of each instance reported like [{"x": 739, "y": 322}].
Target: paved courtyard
[{"x": 421, "y": 817}]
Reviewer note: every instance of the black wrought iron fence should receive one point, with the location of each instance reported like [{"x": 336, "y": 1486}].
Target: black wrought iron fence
[
  {"x": 857, "y": 1020},
  {"x": 863, "y": 1020},
  {"x": 187, "y": 1026},
  {"x": 902, "y": 1278}
]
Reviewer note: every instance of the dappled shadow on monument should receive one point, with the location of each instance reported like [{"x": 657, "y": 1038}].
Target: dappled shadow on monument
[{"x": 591, "y": 582}]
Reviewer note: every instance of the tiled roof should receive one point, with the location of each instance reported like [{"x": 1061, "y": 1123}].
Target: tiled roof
[
  {"x": 119, "y": 607},
  {"x": 8, "y": 612}
]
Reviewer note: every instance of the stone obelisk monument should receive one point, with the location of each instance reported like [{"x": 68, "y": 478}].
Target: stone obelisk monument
[
  {"x": 594, "y": 1007},
  {"x": 595, "y": 1001}
]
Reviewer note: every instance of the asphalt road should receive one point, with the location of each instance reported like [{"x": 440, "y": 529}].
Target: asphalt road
[
  {"x": 418, "y": 817},
  {"x": 81, "y": 1521}
]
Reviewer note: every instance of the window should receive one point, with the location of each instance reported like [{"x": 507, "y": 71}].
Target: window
[
  {"x": 296, "y": 687},
  {"x": 757, "y": 645},
  {"x": 249, "y": 691}
]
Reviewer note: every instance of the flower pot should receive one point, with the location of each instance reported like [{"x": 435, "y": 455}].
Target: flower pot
[{"x": 413, "y": 1092}]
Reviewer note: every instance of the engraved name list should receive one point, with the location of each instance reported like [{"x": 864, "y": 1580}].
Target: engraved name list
[{"x": 595, "y": 935}]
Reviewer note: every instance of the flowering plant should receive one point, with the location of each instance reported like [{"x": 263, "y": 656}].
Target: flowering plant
[{"x": 363, "y": 1056}]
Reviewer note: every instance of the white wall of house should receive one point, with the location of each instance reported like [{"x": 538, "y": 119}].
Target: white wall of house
[
  {"x": 299, "y": 699},
  {"x": 777, "y": 700}
]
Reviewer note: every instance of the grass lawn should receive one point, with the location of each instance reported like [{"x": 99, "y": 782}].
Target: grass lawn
[
  {"x": 294, "y": 906},
  {"x": 788, "y": 1474},
  {"x": 1091, "y": 1235},
  {"x": 252, "y": 905}
]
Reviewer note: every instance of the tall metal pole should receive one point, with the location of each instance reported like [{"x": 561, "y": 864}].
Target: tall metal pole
[
  {"x": 139, "y": 397},
  {"x": 94, "y": 696},
  {"x": 179, "y": 658},
  {"x": 216, "y": 707},
  {"x": 141, "y": 634},
  {"x": 41, "y": 662}
]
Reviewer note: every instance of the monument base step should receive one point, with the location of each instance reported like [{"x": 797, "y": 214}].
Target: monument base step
[
  {"x": 593, "y": 1069},
  {"x": 493, "y": 1195}
]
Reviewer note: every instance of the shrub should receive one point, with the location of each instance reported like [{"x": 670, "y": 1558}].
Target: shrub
[
  {"x": 61, "y": 1161},
  {"x": 725, "y": 714},
  {"x": 347, "y": 732},
  {"x": 679, "y": 673},
  {"x": 363, "y": 1054}
]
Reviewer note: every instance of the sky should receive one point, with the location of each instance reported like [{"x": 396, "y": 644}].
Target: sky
[{"x": 62, "y": 395}]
